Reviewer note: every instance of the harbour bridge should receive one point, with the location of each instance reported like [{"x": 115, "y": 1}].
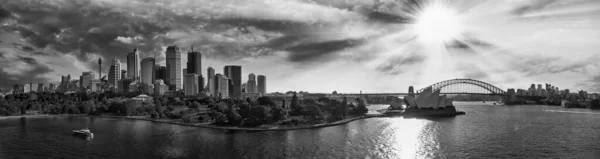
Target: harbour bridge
[{"x": 453, "y": 86}]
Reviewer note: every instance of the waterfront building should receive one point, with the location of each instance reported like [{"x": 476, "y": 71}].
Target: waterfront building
[
  {"x": 160, "y": 87},
  {"x": 234, "y": 73},
  {"x": 262, "y": 84},
  {"x": 211, "y": 82},
  {"x": 124, "y": 85},
  {"x": 148, "y": 88},
  {"x": 18, "y": 88},
  {"x": 191, "y": 85},
  {"x": 174, "y": 68},
  {"x": 95, "y": 85},
  {"x": 52, "y": 87},
  {"x": 251, "y": 84},
  {"x": 148, "y": 73},
  {"x": 114, "y": 74},
  {"x": 40, "y": 87},
  {"x": 85, "y": 80},
  {"x": 133, "y": 65},
  {"x": 161, "y": 72}
]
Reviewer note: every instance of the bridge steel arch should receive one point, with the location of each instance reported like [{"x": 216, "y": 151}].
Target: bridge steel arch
[{"x": 489, "y": 87}]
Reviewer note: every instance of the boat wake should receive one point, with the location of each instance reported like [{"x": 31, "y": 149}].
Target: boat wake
[{"x": 575, "y": 112}]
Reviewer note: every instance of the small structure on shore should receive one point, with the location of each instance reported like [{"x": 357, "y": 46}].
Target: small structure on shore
[{"x": 142, "y": 97}]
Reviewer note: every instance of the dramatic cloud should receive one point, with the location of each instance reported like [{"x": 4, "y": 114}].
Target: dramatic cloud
[{"x": 502, "y": 42}]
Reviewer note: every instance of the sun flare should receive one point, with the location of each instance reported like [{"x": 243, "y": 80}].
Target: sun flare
[{"x": 437, "y": 23}]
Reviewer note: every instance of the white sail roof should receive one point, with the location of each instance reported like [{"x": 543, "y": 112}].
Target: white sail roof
[
  {"x": 433, "y": 99},
  {"x": 449, "y": 101},
  {"x": 442, "y": 101},
  {"x": 411, "y": 101},
  {"x": 423, "y": 97}
]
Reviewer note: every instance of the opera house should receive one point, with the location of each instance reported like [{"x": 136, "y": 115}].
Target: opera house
[{"x": 427, "y": 103}]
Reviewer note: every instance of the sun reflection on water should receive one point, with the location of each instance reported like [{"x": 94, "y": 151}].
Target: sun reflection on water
[{"x": 410, "y": 138}]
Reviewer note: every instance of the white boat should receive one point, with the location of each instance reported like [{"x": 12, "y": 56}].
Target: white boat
[{"x": 83, "y": 133}]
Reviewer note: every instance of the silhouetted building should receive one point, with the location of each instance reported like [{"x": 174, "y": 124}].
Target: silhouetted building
[
  {"x": 234, "y": 73},
  {"x": 174, "y": 68},
  {"x": 133, "y": 65},
  {"x": 221, "y": 86},
  {"x": 18, "y": 88},
  {"x": 160, "y": 87},
  {"x": 148, "y": 72},
  {"x": 161, "y": 72},
  {"x": 262, "y": 84},
  {"x": 124, "y": 74}
]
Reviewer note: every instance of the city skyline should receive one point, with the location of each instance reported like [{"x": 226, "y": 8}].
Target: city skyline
[{"x": 510, "y": 44}]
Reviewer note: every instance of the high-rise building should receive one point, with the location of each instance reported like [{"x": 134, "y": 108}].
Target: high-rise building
[
  {"x": 211, "y": 81},
  {"x": 133, "y": 65},
  {"x": 40, "y": 87},
  {"x": 251, "y": 84},
  {"x": 85, "y": 80},
  {"x": 234, "y": 73},
  {"x": 95, "y": 85},
  {"x": 148, "y": 72},
  {"x": 65, "y": 83},
  {"x": 262, "y": 84},
  {"x": 161, "y": 72},
  {"x": 123, "y": 74},
  {"x": 125, "y": 84},
  {"x": 221, "y": 86},
  {"x": 191, "y": 85},
  {"x": 114, "y": 74},
  {"x": 18, "y": 88},
  {"x": 52, "y": 87},
  {"x": 100, "y": 67},
  {"x": 174, "y": 67},
  {"x": 194, "y": 64}
]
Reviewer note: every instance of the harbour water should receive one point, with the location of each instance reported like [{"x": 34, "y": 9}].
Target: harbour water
[{"x": 486, "y": 131}]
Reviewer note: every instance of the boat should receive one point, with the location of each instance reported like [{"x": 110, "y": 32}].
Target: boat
[{"x": 83, "y": 133}]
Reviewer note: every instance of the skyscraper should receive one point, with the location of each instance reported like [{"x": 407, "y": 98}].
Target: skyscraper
[
  {"x": 123, "y": 74},
  {"x": 194, "y": 64},
  {"x": 114, "y": 73},
  {"x": 234, "y": 73},
  {"x": 161, "y": 72},
  {"x": 133, "y": 65},
  {"x": 211, "y": 81},
  {"x": 100, "y": 68},
  {"x": 85, "y": 80},
  {"x": 148, "y": 76},
  {"x": 251, "y": 84},
  {"x": 262, "y": 84},
  {"x": 221, "y": 85},
  {"x": 191, "y": 84},
  {"x": 174, "y": 68}
]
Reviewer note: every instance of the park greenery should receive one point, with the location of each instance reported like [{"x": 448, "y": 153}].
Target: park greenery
[{"x": 221, "y": 112}]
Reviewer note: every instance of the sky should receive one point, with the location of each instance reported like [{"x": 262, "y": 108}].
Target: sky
[{"x": 314, "y": 45}]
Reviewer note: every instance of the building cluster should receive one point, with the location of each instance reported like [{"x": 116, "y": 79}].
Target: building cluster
[
  {"x": 147, "y": 77},
  {"x": 549, "y": 91}
]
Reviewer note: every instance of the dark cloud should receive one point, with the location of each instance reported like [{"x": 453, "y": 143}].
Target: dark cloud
[
  {"x": 398, "y": 65},
  {"x": 4, "y": 13},
  {"x": 28, "y": 60},
  {"x": 387, "y": 17},
  {"x": 592, "y": 84},
  {"x": 320, "y": 50},
  {"x": 533, "y": 6}
]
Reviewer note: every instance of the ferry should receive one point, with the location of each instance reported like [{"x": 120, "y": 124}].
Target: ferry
[{"x": 83, "y": 133}]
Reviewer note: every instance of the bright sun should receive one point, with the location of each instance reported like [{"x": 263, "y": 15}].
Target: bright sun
[{"x": 437, "y": 23}]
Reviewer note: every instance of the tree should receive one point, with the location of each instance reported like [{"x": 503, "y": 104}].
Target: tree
[
  {"x": 195, "y": 105},
  {"x": 86, "y": 107},
  {"x": 234, "y": 119},
  {"x": 345, "y": 107},
  {"x": 278, "y": 114},
  {"x": 315, "y": 112},
  {"x": 295, "y": 105},
  {"x": 361, "y": 109},
  {"x": 266, "y": 101},
  {"x": 220, "y": 119}
]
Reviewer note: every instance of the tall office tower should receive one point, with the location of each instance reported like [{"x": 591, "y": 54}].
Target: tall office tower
[
  {"x": 133, "y": 65},
  {"x": 174, "y": 68},
  {"x": 161, "y": 72},
  {"x": 539, "y": 87},
  {"x": 184, "y": 73},
  {"x": 251, "y": 84},
  {"x": 234, "y": 73},
  {"x": 532, "y": 86},
  {"x": 65, "y": 83},
  {"x": 148, "y": 76},
  {"x": 191, "y": 85},
  {"x": 85, "y": 80},
  {"x": 114, "y": 73},
  {"x": 124, "y": 74},
  {"x": 100, "y": 68},
  {"x": 262, "y": 84},
  {"x": 221, "y": 85},
  {"x": 194, "y": 64},
  {"x": 211, "y": 82},
  {"x": 52, "y": 87},
  {"x": 18, "y": 88}
]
